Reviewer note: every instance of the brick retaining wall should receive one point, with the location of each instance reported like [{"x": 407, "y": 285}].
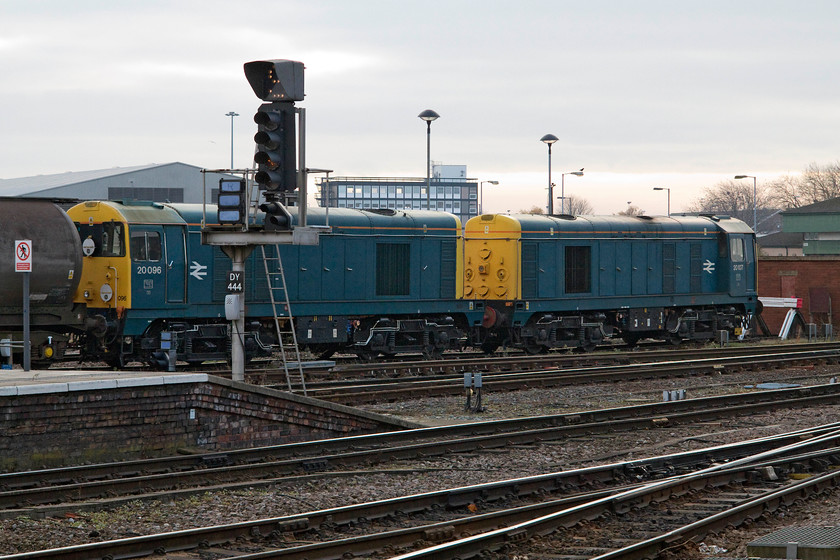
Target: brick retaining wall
[{"x": 41, "y": 428}]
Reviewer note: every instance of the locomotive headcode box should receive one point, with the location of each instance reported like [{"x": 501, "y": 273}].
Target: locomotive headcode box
[{"x": 235, "y": 284}]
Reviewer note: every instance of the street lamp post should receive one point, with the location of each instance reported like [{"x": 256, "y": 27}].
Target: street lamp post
[
  {"x": 550, "y": 139},
  {"x": 481, "y": 195},
  {"x": 578, "y": 173},
  {"x": 755, "y": 201},
  {"x": 326, "y": 194},
  {"x": 669, "y": 197},
  {"x": 428, "y": 115},
  {"x": 231, "y": 115}
]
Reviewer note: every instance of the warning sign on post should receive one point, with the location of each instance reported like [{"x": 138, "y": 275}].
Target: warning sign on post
[{"x": 23, "y": 255}]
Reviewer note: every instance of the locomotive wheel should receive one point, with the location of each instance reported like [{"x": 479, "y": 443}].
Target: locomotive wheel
[
  {"x": 432, "y": 353},
  {"x": 534, "y": 349},
  {"x": 630, "y": 339},
  {"x": 116, "y": 360},
  {"x": 587, "y": 346},
  {"x": 326, "y": 354},
  {"x": 366, "y": 355}
]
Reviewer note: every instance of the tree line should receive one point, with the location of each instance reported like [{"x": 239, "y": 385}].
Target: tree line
[{"x": 735, "y": 197}]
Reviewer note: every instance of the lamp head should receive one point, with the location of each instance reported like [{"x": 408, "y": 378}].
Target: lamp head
[
  {"x": 549, "y": 139},
  {"x": 741, "y": 176},
  {"x": 428, "y": 115}
]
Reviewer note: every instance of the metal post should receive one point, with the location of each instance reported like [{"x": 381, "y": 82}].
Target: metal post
[
  {"x": 428, "y": 164},
  {"x": 231, "y": 115},
  {"x": 27, "y": 346},
  {"x": 327, "y": 203},
  {"x": 302, "y": 176},
  {"x": 237, "y": 255},
  {"x": 562, "y": 193},
  {"x": 550, "y": 185}
]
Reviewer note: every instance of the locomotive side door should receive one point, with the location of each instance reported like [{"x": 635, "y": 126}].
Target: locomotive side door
[
  {"x": 738, "y": 265},
  {"x": 175, "y": 259},
  {"x": 148, "y": 268}
]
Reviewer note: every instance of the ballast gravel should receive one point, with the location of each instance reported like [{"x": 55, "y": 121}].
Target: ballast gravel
[{"x": 25, "y": 534}]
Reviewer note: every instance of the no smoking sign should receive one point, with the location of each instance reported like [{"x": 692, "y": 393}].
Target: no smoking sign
[{"x": 23, "y": 255}]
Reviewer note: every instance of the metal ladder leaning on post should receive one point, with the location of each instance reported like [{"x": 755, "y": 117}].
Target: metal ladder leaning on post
[{"x": 273, "y": 288}]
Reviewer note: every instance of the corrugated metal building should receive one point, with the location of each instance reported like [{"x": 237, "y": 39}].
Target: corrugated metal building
[{"x": 166, "y": 182}]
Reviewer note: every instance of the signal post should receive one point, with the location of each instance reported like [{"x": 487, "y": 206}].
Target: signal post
[{"x": 279, "y": 83}]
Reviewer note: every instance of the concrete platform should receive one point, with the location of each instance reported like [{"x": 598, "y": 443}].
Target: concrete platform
[{"x": 19, "y": 382}]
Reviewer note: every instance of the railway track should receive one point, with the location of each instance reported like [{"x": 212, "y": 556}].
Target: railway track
[
  {"x": 368, "y": 391},
  {"x": 682, "y": 495},
  {"x": 519, "y": 362},
  {"x": 53, "y": 491}
]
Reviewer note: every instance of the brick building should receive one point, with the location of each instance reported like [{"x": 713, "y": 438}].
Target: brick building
[{"x": 815, "y": 279}]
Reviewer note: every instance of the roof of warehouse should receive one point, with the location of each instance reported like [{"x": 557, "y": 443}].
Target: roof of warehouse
[
  {"x": 829, "y": 206},
  {"x": 23, "y": 186}
]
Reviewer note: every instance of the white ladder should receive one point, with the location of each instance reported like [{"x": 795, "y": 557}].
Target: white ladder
[{"x": 276, "y": 284}]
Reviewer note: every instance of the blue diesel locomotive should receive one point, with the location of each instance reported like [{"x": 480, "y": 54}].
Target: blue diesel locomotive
[
  {"x": 379, "y": 282},
  {"x": 553, "y": 281}
]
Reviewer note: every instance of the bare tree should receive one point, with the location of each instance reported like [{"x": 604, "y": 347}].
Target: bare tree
[
  {"x": 533, "y": 210},
  {"x": 785, "y": 192},
  {"x": 578, "y": 206},
  {"x": 820, "y": 183},
  {"x": 631, "y": 210},
  {"x": 734, "y": 198}
]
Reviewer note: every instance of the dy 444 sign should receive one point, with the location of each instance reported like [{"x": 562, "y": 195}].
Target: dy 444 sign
[{"x": 235, "y": 284}]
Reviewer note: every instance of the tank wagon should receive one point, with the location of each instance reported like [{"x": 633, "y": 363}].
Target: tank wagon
[
  {"x": 379, "y": 282},
  {"x": 56, "y": 268},
  {"x": 554, "y": 281}
]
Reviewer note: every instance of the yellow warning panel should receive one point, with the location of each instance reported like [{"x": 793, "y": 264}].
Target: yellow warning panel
[{"x": 491, "y": 258}]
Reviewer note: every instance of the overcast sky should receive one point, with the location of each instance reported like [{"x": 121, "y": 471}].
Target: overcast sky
[{"x": 679, "y": 94}]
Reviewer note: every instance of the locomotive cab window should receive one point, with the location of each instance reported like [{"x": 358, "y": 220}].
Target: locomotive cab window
[
  {"x": 578, "y": 270},
  {"x": 145, "y": 246},
  {"x": 108, "y": 238},
  {"x": 736, "y": 249}
]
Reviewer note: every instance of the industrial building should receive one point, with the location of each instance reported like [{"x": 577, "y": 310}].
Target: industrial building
[
  {"x": 167, "y": 182},
  {"x": 449, "y": 191}
]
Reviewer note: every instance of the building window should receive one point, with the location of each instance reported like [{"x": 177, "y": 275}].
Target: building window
[
  {"x": 155, "y": 194},
  {"x": 578, "y": 279}
]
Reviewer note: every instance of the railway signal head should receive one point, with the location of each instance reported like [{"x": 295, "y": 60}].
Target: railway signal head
[
  {"x": 276, "y": 80},
  {"x": 276, "y": 147},
  {"x": 233, "y": 202}
]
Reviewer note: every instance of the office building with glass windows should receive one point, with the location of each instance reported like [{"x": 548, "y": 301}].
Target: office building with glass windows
[{"x": 450, "y": 191}]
